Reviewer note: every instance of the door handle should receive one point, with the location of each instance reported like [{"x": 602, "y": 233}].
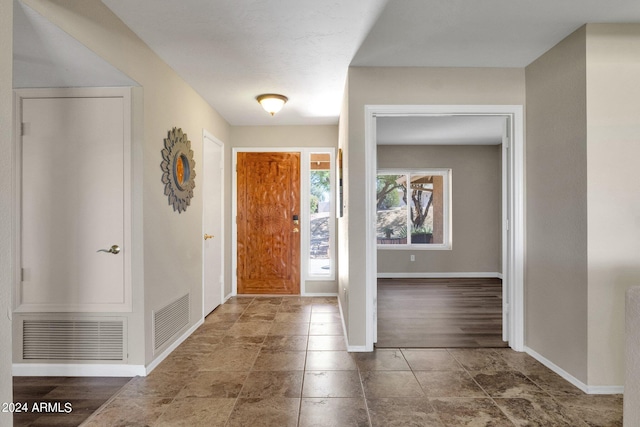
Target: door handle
[
  {"x": 208, "y": 236},
  {"x": 112, "y": 250}
]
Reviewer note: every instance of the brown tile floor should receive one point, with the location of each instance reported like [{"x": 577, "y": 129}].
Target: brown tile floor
[{"x": 283, "y": 362}]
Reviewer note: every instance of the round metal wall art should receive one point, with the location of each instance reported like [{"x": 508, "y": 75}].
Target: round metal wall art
[{"x": 178, "y": 169}]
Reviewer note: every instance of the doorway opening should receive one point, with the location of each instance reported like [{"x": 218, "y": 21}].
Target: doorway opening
[{"x": 511, "y": 224}]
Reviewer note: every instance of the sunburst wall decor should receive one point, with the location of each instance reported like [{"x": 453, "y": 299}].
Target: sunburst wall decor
[{"x": 178, "y": 169}]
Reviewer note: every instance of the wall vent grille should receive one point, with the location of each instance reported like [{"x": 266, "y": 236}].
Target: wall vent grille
[
  {"x": 72, "y": 340},
  {"x": 170, "y": 320}
]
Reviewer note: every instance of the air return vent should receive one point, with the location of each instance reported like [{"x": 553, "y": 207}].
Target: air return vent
[
  {"x": 72, "y": 340},
  {"x": 170, "y": 320}
]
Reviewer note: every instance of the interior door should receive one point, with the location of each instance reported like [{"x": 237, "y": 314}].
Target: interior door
[
  {"x": 212, "y": 185},
  {"x": 268, "y": 240},
  {"x": 73, "y": 226}
]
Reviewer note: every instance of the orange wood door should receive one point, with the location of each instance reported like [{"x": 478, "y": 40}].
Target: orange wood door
[{"x": 268, "y": 240}]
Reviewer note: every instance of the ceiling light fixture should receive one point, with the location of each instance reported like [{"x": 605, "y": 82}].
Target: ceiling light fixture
[{"x": 272, "y": 102}]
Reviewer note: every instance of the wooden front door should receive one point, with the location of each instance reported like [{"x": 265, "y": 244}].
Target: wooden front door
[{"x": 268, "y": 239}]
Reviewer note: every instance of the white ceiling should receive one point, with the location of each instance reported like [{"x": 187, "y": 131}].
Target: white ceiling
[
  {"x": 232, "y": 51},
  {"x": 46, "y": 56},
  {"x": 440, "y": 130}
]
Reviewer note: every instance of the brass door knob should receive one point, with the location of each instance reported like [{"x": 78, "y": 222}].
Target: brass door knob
[
  {"x": 115, "y": 249},
  {"x": 208, "y": 236}
]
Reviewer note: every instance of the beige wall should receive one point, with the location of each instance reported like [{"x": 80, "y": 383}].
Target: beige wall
[
  {"x": 613, "y": 191},
  {"x": 422, "y": 86},
  {"x": 343, "y": 223},
  {"x": 583, "y": 235},
  {"x": 556, "y": 206},
  {"x": 7, "y": 202},
  {"x": 476, "y": 208},
  {"x": 632, "y": 358},
  {"x": 274, "y": 137},
  {"x": 167, "y": 245}
]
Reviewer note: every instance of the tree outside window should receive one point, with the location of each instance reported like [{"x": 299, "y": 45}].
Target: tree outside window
[{"x": 411, "y": 208}]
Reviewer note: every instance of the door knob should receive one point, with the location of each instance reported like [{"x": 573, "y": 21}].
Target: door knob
[
  {"x": 208, "y": 236},
  {"x": 112, "y": 250}
]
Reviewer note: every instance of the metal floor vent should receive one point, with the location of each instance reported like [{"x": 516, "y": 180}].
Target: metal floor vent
[
  {"x": 170, "y": 320},
  {"x": 73, "y": 340}
]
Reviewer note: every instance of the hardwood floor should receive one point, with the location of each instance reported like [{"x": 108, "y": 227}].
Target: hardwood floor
[
  {"x": 61, "y": 401},
  {"x": 440, "y": 313}
]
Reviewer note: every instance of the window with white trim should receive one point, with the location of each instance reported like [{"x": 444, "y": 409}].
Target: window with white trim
[
  {"x": 320, "y": 244},
  {"x": 413, "y": 209}
]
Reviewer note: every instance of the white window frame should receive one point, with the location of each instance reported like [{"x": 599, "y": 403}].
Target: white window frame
[
  {"x": 306, "y": 208},
  {"x": 446, "y": 214},
  {"x": 305, "y": 158}
]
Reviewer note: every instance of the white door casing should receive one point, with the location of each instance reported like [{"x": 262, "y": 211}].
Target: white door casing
[
  {"x": 74, "y": 175},
  {"x": 305, "y": 153},
  {"x": 507, "y": 130},
  {"x": 513, "y": 211},
  {"x": 212, "y": 223}
]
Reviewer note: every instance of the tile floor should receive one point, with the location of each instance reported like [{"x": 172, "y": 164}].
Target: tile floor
[{"x": 282, "y": 362}]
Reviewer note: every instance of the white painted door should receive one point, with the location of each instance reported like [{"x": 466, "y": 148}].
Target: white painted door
[
  {"x": 212, "y": 189},
  {"x": 73, "y": 178}
]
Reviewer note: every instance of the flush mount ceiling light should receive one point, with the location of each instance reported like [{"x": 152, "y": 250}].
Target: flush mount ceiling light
[{"x": 272, "y": 102}]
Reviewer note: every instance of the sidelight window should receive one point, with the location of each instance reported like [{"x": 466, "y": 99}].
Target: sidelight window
[{"x": 320, "y": 241}]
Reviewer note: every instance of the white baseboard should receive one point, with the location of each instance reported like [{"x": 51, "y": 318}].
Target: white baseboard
[
  {"x": 358, "y": 349},
  {"x": 77, "y": 370},
  {"x": 605, "y": 389},
  {"x": 97, "y": 369},
  {"x": 344, "y": 325},
  {"x": 155, "y": 362},
  {"x": 573, "y": 380},
  {"x": 350, "y": 348},
  {"x": 319, "y": 294},
  {"x": 432, "y": 275}
]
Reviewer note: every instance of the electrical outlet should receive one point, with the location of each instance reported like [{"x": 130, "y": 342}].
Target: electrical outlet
[{"x": 413, "y": 257}]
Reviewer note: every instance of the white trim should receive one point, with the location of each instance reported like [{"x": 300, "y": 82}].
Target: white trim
[
  {"x": 605, "y": 389},
  {"x": 358, "y": 349},
  {"x": 77, "y": 370},
  {"x": 504, "y": 215},
  {"x": 98, "y": 369},
  {"x": 127, "y": 98},
  {"x": 344, "y": 325},
  {"x": 514, "y": 269},
  {"x": 208, "y": 135},
  {"x": 447, "y": 215},
  {"x": 304, "y": 212},
  {"x": 167, "y": 351},
  {"x": 305, "y": 235},
  {"x": 432, "y": 275},
  {"x": 573, "y": 380},
  {"x": 317, "y": 294},
  {"x": 371, "y": 219}
]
